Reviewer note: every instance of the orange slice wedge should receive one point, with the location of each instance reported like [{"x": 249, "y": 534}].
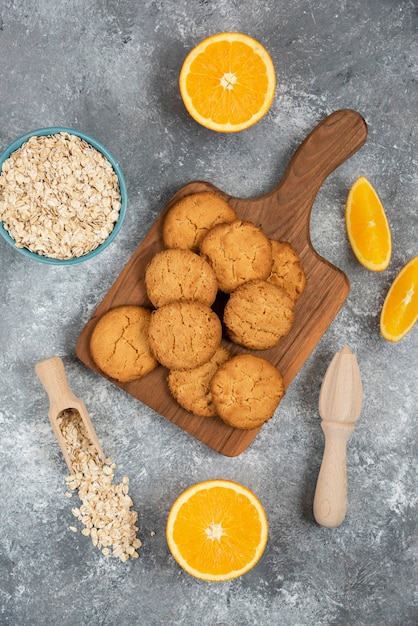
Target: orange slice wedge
[
  {"x": 400, "y": 307},
  {"x": 367, "y": 226},
  {"x": 217, "y": 530},
  {"x": 227, "y": 82}
]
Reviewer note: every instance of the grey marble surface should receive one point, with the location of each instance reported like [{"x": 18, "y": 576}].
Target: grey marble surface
[{"x": 110, "y": 68}]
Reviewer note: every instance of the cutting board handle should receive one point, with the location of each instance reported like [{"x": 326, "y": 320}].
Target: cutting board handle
[{"x": 329, "y": 144}]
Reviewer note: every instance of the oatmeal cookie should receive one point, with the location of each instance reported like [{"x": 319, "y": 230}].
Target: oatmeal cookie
[
  {"x": 188, "y": 220},
  {"x": 183, "y": 335},
  {"x": 119, "y": 343},
  {"x": 258, "y": 314},
  {"x": 287, "y": 271},
  {"x": 191, "y": 387},
  {"x": 180, "y": 275},
  {"x": 238, "y": 252},
  {"x": 246, "y": 391}
]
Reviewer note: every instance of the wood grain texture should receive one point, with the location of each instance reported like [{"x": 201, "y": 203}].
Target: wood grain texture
[{"x": 283, "y": 214}]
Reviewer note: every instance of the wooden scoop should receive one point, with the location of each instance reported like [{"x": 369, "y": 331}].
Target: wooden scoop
[
  {"x": 340, "y": 402},
  {"x": 51, "y": 373}
]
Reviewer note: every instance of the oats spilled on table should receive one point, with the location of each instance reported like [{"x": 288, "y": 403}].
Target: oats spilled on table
[
  {"x": 59, "y": 196},
  {"x": 106, "y": 508}
]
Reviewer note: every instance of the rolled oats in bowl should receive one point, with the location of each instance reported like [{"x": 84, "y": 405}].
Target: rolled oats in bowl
[{"x": 62, "y": 196}]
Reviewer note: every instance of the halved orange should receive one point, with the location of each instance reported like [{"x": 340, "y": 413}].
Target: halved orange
[
  {"x": 400, "y": 307},
  {"x": 227, "y": 82},
  {"x": 217, "y": 530},
  {"x": 367, "y": 226}
]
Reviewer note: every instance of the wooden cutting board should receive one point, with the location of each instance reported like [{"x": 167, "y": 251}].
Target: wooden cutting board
[{"x": 283, "y": 214}]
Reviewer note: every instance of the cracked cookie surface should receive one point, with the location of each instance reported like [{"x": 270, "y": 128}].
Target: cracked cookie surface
[
  {"x": 119, "y": 343},
  {"x": 258, "y": 314},
  {"x": 191, "y": 387},
  {"x": 183, "y": 335},
  {"x": 238, "y": 252},
  {"x": 188, "y": 221},
  {"x": 176, "y": 274},
  {"x": 287, "y": 271},
  {"x": 246, "y": 391}
]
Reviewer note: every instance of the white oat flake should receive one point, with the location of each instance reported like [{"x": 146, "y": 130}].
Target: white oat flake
[{"x": 105, "y": 509}]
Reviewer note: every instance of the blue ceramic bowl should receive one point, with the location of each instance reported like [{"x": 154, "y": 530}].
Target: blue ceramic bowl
[{"x": 53, "y": 130}]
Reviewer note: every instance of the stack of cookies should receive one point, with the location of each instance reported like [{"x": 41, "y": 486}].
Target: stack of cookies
[{"x": 208, "y": 249}]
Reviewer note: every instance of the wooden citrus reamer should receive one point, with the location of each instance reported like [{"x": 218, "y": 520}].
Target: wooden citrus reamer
[
  {"x": 51, "y": 373},
  {"x": 340, "y": 403}
]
